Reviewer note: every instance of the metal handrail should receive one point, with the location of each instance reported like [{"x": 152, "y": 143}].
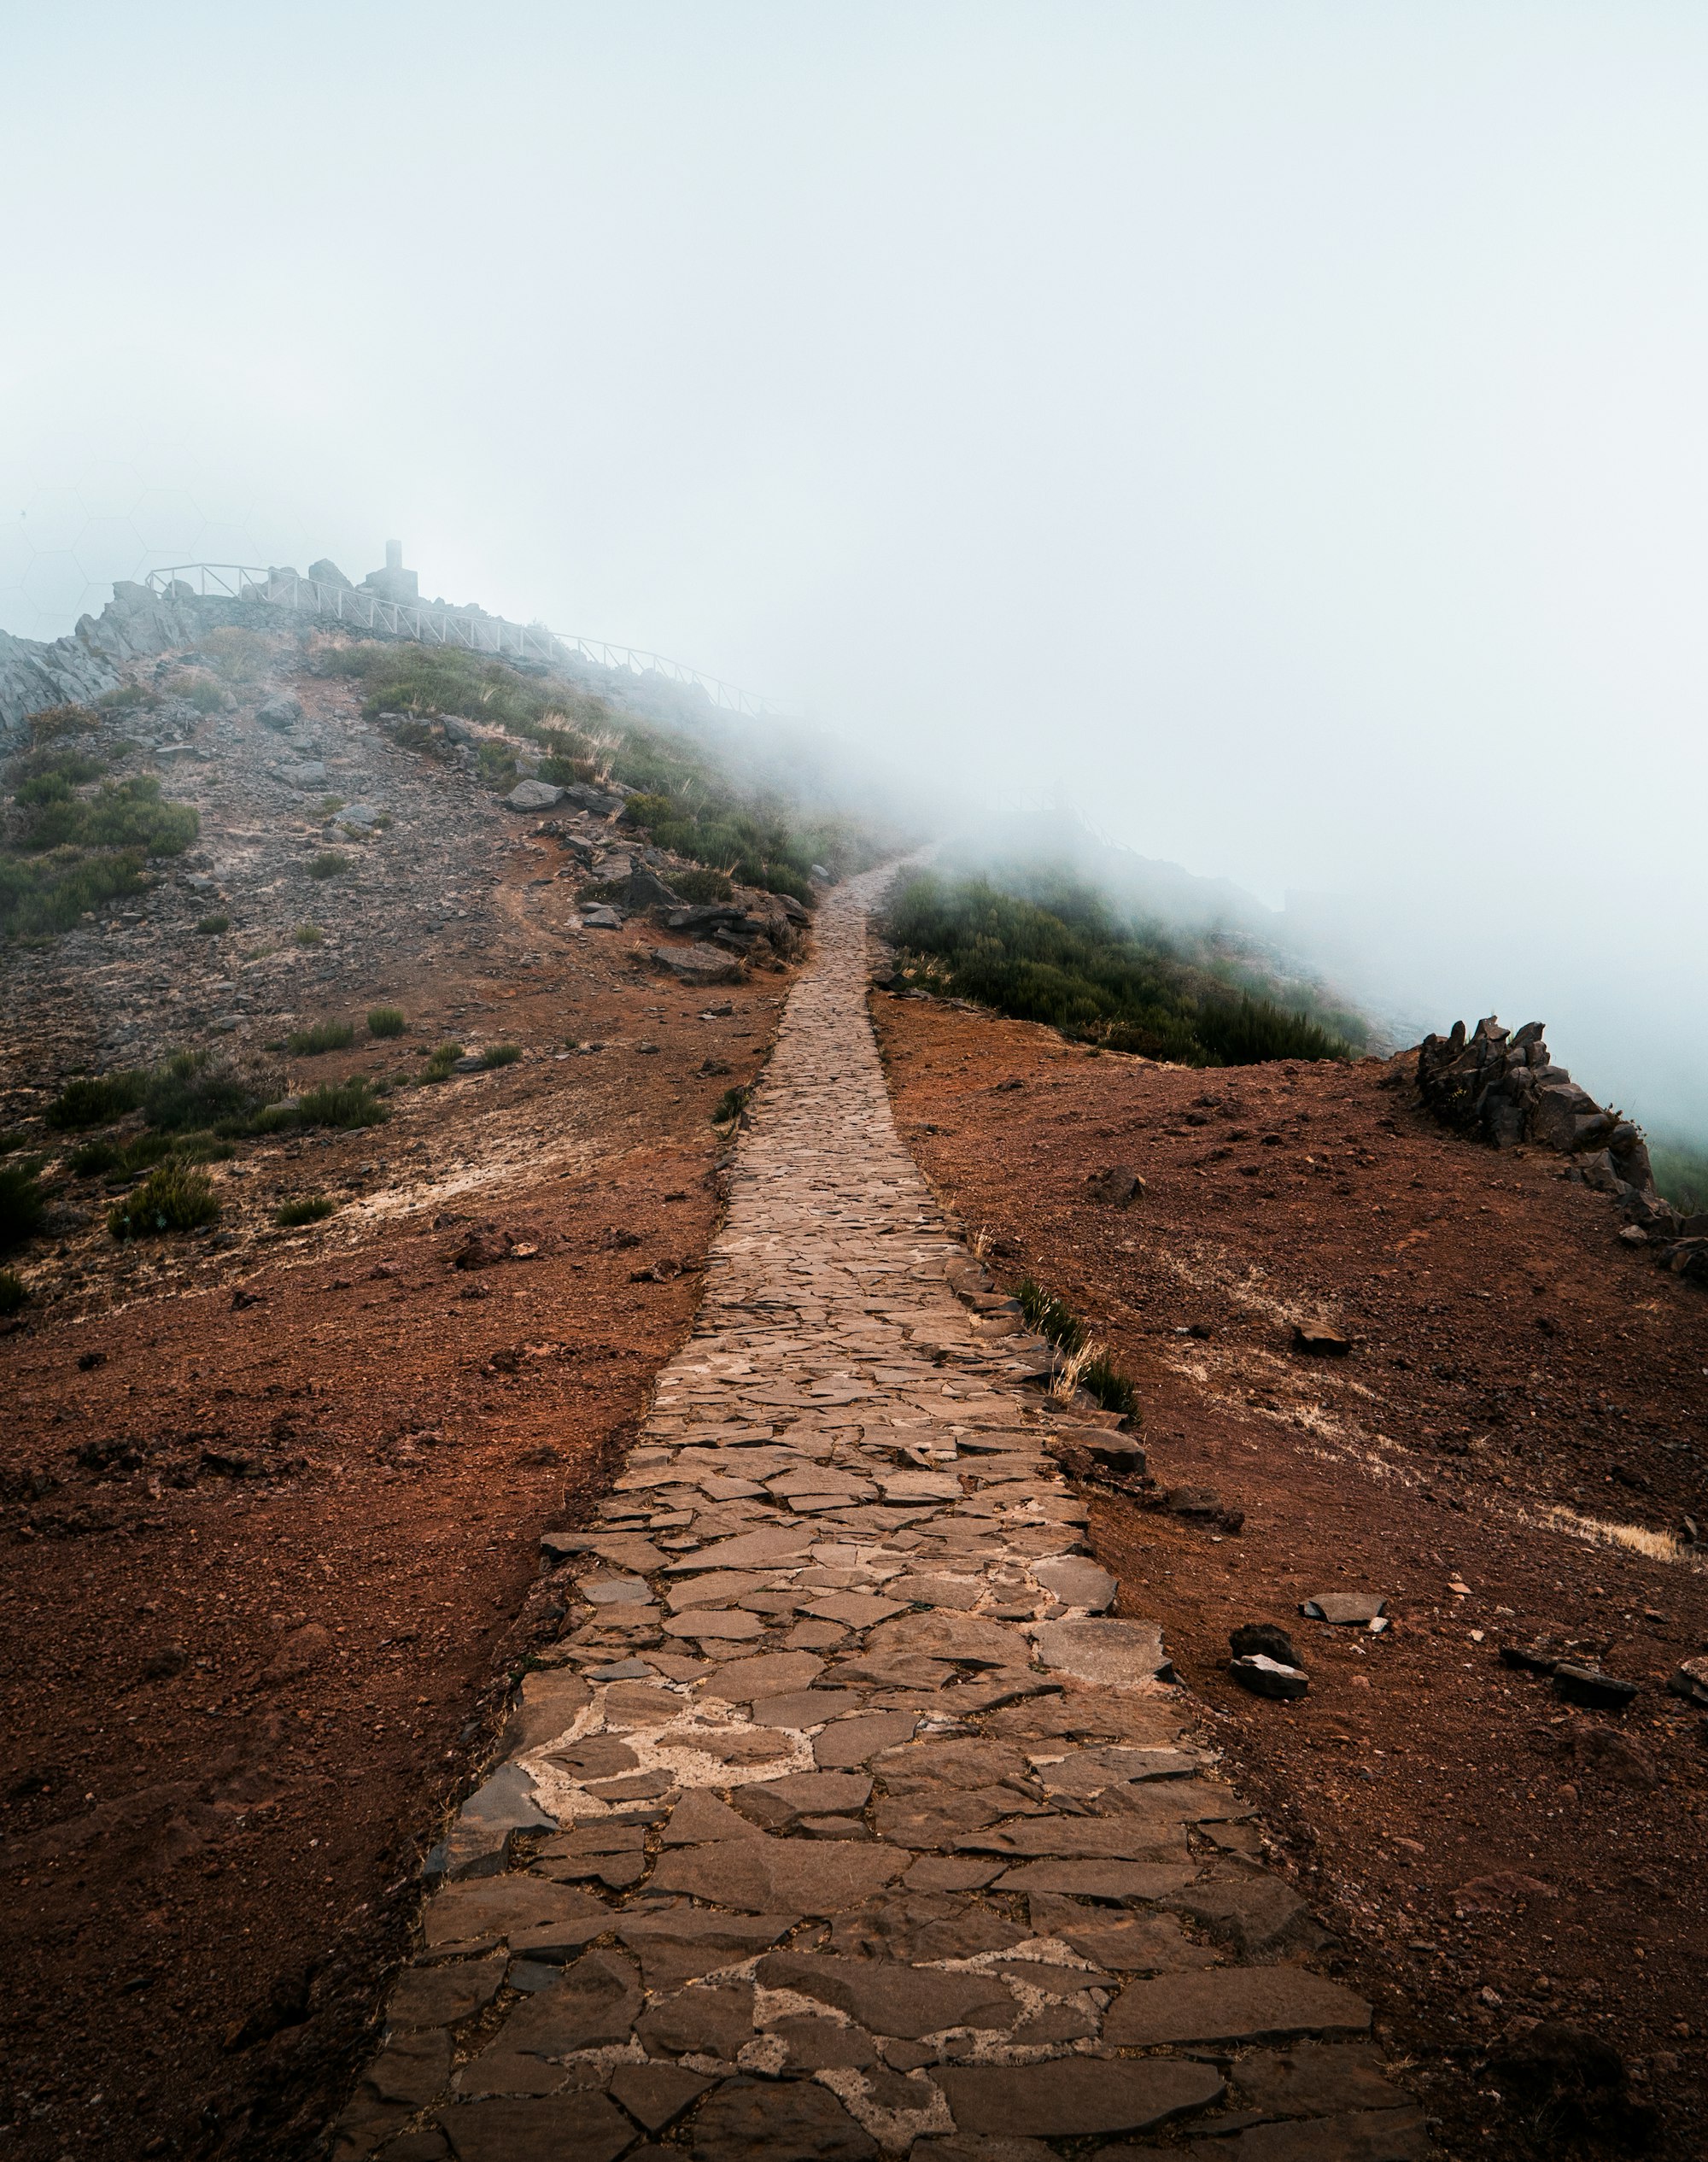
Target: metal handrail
[{"x": 472, "y": 628}]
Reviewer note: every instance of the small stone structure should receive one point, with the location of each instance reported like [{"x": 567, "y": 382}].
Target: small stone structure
[
  {"x": 1503, "y": 1087},
  {"x": 393, "y": 583}
]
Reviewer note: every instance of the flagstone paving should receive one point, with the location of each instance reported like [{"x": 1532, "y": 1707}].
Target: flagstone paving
[{"x": 852, "y": 1822}]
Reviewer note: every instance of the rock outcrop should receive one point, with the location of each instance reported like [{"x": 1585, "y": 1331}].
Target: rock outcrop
[
  {"x": 1501, "y": 1086},
  {"x": 71, "y": 670}
]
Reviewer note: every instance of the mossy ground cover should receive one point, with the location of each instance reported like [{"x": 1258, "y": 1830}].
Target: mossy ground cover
[
  {"x": 1063, "y": 958},
  {"x": 680, "y": 801},
  {"x": 77, "y": 837}
]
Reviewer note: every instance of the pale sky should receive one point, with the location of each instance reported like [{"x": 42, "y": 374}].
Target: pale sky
[{"x": 1277, "y": 429}]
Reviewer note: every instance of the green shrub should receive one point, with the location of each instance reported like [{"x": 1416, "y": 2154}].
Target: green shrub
[
  {"x": 198, "y": 1088},
  {"x": 730, "y": 1106},
  {"x": 311, "y": 1209},
  {"x": 331, "y": 806},
  {"x": 55, "y": 721},
  {"x": 1113, "y": 1390},
  {"x": 174, "y": 1197},
  {"x": 211, "y": 926},
  {"x": 1681, "y": 1174},
  {"x": 387, "y": 1021},
  {"x": 242, "y": 658},
  {"x": 322, "y": 1036},
  {"x": 309, "y": 934},
  {"x": 50, "y": 894},
  {"x": 1047, "y": 1314},
  {"x": 496, "y": 767},
  {"x": 500, "y": 1054},
  {"x": 10, "y": 1141},
  {"x": 97, "y": 1099},
  {"x": 13, "y": 1290},
  {"x": 345, "y": 1105},
  {"x": 129, "y": 814},
  {"x": 1066, "y": 960},
  {"x": 201, "y": 692},
  {"x": 23, "y": 1206},
  {"x": 94, "y": 1159},
  {"x": 125, "y": 698},
  {"x": 49, "y": 774},
  {"x": 441, "y": 1061},
  {"x": 328, "y": 864},
  {"x": 700, "y": 886}
]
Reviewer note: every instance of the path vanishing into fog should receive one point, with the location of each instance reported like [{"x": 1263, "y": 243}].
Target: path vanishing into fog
[{"x": 852, "y": 1822}]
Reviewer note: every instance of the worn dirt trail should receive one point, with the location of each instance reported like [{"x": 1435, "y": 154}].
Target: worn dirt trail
[{"x": 849, "y": 1822}]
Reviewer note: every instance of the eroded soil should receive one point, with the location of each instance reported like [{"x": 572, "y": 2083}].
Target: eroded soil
[
  {"x": 1494, "y": 1858},
  {"x": 271, "y": 1499}
]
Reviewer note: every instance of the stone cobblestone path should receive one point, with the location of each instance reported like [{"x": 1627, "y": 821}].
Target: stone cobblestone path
[{"x": 853, "y": 1823}]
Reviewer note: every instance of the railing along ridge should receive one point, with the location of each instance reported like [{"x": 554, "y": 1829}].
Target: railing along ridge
[{"x": 472, "y": 628}]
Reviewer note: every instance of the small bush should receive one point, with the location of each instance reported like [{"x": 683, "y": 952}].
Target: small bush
[
  {"x": 1113, "y": 1390},
  {"x": 695, "y": 885},
  {"x": 328, "y": 864},
  {"x": 97, "y": 1099},
  {"x": 13, "y": 1290},
  {"x": 50, "y": 894},
  {"x": 195, "y": 1088},
  {"x": 730, "y": 1106},
  {"x": 22, "y": 1204},
  {"x": 241, "y": 657},
  {"x": 331, "y": 807},
  {"x": 125, "y": 698},
  {"x": 94, "y": 1159},
  {"x": 500, "y": 1054},
  {"x": 211, "y": 926},
  {"x": 346, "y": 1104},
  {"x": 10, "y": 1141},
  {"x": 55, "y": 721},
  {"x": 311, "y": 1209},
  {"x": 174, "y": 1197},
  {"x": 496, "y": 767},
  {"x": 440, "y": 1063},
  {"x": 309, "y": 934},
  {"x": 323, "y": 1036},
  {"x": 129, "y": 814},
  {"x": 387, "y": 1021},
  {"x": 201, "y": 692},
  {"x": 1046, "y": 1314}
]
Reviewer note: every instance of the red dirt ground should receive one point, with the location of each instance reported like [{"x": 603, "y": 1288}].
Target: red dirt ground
[
  {"x": 255, "y": 1641},
  {"x": 1489, "y": 1858}
]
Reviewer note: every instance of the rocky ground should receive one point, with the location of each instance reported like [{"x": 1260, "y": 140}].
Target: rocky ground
[
  {"x": 1511, "y": 1453},
  {"x": 271, "y": 1497}
]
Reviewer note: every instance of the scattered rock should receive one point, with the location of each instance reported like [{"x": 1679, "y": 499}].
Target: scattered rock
[
  {"x": 534, "y": 796},
  {"x": 281, "y": 713},
  {"x": 1320, "y": 1343},
  {"x": 302, "y": 1650},
  {"x": 1265, "y": 1677},
  {"x": 1116, "y": 1187},
  {"x": 1266, "y": 1640},
  {"x": 1690, "y": 1681},
  {"x": 1590, "y": 1685},
  {"x": 1344, "y": 1608}
]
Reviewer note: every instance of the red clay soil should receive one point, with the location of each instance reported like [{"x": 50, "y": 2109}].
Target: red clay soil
[
  {"x": 1524, "y": 1400},
  {"x": 270, "y": 1521}
]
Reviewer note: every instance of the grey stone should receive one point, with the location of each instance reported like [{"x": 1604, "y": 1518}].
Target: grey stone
[
  {"x": 815, "y": 1877},
  {"x": 1316, "y": 2079},
  {"x": 1265, "y": 1677},
  {"x": 1232, "y": 2004},
  {"x": 1361, "y": 2136},
  {"x": 849, "y": 1742},
  {"x": 281, "y": 713},
  {"x": 1265, "y": 1639},
  {"x": 304, "y": 773},
  {"x": 1076, "y": 2097},
  {"x": 654, "y": 2096},
  {"x": 534, "y": 796},
  {"x": 488, "y": 1911},
  {"x": 595, "y": 2004},
  {"x": 1255, "y": 1911},
  {"x": 583, "y": 2125},
  {"x": 887, "y": 1998},
  {"x": 1114, "y": 1881},
  {"x": 1116, "y": 1654},
  {"x": 411, "y": 2070},
  {"x": 504, "y": 1801},
  {"x": 1077, "y": 1583},
  {"x": 1343, "y": 1607},
  {"x": 601, "y": 917},
  {"x": 682, "y": 1943},
  {"x": 697, "y": 965},
  {"x": 700, "y": 2021},
  {"x": 790, "y": 2121},
  {"x": 441, "y": 1996}
]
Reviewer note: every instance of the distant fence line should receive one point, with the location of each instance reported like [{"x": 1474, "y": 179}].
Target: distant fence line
[{"x": 477, "y": 632}]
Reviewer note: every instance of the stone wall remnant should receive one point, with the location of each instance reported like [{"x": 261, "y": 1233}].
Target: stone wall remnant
[{"x": 1501, "y": 1086}]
